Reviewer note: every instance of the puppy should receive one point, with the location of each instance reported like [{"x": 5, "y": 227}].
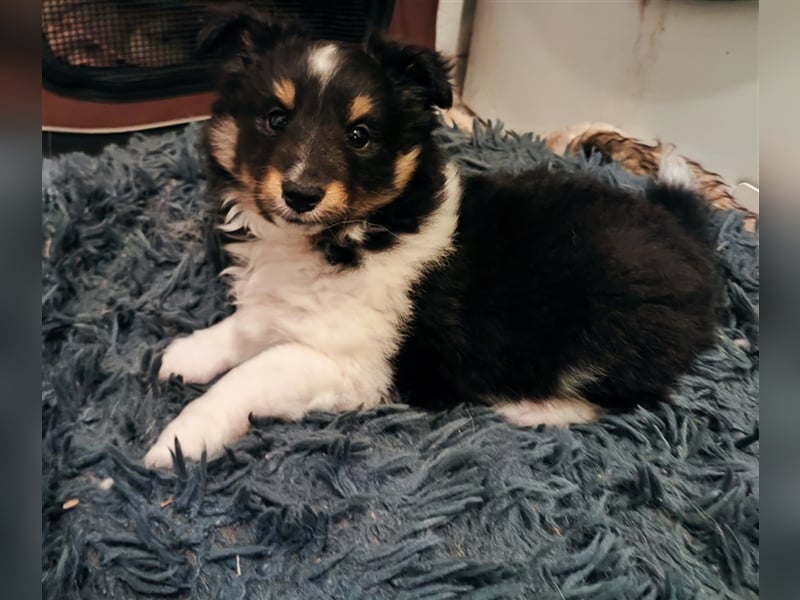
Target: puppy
[{"x": 365, "y": 268}]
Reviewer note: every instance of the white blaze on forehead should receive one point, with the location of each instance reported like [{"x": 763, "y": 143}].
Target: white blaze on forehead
[{"x": 323, "y": 62}]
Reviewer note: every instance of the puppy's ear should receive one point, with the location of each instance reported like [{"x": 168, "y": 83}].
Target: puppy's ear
[
  {"x": 419, "y": 69},
  {"x": 236, "y": 28}
]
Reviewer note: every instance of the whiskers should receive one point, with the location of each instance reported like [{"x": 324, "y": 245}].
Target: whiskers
[
  {"x": 366, "y": 227},
  {"x": 362, "y": 222},
  {"x": 245, "y": 206}
]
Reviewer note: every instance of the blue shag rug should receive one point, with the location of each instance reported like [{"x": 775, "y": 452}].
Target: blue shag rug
[{"x": 388, "y": 503}]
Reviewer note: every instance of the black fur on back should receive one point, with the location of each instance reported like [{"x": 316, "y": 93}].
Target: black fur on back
[{"x": 554, "y": 272}]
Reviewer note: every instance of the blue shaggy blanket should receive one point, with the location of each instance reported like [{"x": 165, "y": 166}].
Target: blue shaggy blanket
[{"x": 387, "y": 503}]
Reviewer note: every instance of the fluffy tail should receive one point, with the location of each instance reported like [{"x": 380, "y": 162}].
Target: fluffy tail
[
  {"x": 674, "y": 171},
  {"x": 676, "y": 190}
]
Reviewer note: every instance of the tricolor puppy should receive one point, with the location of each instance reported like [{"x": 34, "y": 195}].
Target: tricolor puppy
[{"x": 367, "y": 269}]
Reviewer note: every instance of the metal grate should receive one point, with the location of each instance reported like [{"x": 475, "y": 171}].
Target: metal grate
[{"x": 130, "y": 49}]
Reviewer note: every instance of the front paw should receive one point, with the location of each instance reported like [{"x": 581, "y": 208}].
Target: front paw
[
  {"x": 196, "y": 432},
  {"x": 191, "y": 359}
]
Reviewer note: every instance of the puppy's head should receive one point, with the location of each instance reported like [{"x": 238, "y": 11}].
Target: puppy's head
[{"x": 317, "y": 133}]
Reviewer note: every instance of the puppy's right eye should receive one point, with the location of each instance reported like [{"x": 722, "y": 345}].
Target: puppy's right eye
[
  {"x": 275, "y": 121},
  {"x": 358, "y": 137}
]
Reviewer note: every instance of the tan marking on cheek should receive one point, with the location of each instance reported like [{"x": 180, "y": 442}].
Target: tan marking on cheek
[
  {"x": 223, "y": 135},
  {"x": 246, "y": 178},
  {"x": 365, "y": 203},
  {"x": 335, "y": 198},
  {"x": 272, "y": 185},
  {"x": 285, "y": 91},
  {"x": 404, "y": 168},
  {"x": 360, "y": 107},
  {"x": 247, "y": 199}
]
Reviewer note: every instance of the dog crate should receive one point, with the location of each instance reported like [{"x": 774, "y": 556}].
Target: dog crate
[{"x": 131, "y": 50}]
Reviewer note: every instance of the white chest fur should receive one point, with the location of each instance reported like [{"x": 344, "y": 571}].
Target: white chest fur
[{"x": 285, "y": 290}]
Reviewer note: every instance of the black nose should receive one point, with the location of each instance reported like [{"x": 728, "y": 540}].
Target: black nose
[{"x": 301, "y": 198}]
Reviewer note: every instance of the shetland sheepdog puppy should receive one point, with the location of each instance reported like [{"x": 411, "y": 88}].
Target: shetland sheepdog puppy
[{"x": 365, "y": 268}]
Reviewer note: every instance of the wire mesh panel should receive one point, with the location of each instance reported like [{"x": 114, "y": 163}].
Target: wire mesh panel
[{"x": 133, "y": 49}]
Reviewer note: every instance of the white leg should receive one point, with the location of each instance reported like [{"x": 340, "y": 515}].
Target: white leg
[
  {"x": 285, "y": 381},
  {"x": 555, "y": 412},
  {"x": 206, "y": 353}
]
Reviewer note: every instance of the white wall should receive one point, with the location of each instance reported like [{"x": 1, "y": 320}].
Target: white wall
[
  {"x": 681, "y": 70},
  {"x": 448, "y": 24}
]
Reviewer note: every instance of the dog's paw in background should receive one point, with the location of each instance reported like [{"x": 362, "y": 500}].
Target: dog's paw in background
[
  {"x": 643, "y": 158},
  {"x": 191, "y": 358}
]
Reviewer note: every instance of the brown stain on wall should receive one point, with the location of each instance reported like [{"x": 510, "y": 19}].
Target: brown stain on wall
[
  {"x": 652, "y": 23},
  {"x": 642, "y": 8}
]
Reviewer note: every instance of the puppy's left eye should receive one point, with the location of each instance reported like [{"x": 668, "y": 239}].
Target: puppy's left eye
[
  {"x": 358, "y": 136},
  {"x": 275, "y": 121}
]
